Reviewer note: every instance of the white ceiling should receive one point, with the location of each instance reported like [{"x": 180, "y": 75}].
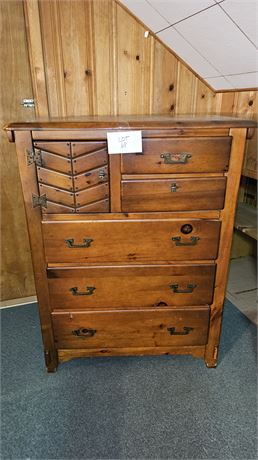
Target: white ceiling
[{"x": 216, "y": 38}]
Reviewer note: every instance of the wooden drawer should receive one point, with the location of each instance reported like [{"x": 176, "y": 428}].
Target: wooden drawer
[
  {"x": 173, "y": 194},
  {"x": 207, "y": 154},
  {"x": 130, "y": 240},
  {"x": 130, "y": 286},
  {"x": 139, "y": 328}
]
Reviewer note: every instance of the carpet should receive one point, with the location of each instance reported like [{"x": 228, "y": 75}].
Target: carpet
[{"x": 167, "y": 407}]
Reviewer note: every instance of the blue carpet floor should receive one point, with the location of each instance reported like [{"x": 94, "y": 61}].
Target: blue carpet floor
[{"x": 128, "y": 408}]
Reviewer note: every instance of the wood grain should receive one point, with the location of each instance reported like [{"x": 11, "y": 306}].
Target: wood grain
[
  {"x": 32, "y": 19},
  {"x": 133, "y": 64},
  {"x": 30, "y": 186},
  {"x": 227, "y": 216},
  {"x": 77, "y": 56},
  {"x": 130, "y": 286},
  {"x": 173, "y": 194},
  {"x": 45, "y": 41},
  {"x": 203, "y": 155},
  {"x": 164, "y": 80},
  {"x": 131, "y": 329},
  {"x": 67, "y": 354},
  {"x": 17, "y": 277},
  {"x": 131, "y": 240}
]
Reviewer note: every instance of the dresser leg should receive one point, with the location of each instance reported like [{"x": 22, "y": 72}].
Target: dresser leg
[
  {"x": 211, "y": 360},
  {"x": 51, "y": 360}
]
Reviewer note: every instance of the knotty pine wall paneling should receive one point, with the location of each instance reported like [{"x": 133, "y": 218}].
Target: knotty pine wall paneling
[
  {"x": 16, "y": 268},
  {"x": 91, "y": 57}
]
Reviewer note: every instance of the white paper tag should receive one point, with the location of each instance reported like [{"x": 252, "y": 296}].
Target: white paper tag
[{"x": 124, "y": 142}]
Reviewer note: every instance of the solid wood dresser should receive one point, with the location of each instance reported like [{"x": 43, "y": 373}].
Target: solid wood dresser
[{"x": 130, "y": 251}]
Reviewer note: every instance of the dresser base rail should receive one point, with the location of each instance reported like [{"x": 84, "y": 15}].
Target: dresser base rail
[{"x": 68, "y": 354}]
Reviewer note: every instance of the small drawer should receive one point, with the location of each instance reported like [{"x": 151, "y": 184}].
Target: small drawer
[
  {"x": 130, "y": 240},
  {"x": 203, "y": 154},
  {"x": 95, "y": 287},
  {"x": 138, "y": 328},
  {"x": 173, "y": 194}
]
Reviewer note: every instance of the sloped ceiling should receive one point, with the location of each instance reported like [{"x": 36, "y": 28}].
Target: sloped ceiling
[{"x": 218, "y": 39}]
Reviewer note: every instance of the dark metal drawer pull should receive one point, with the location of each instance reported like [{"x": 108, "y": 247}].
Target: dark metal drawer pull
[
  {"x": 175, "y": 158},
  {"x": 190, "y": 288},
  {"x": 86, "y": 243},
  {"x": 172, "y": 331},
  {"x": 193, "y": 241},
  {"x": 84, "y": 332},
  {"x": 102, "y": 174},
  {"x": 173, "y": 187},
  {"x": 89, "y": 290}
]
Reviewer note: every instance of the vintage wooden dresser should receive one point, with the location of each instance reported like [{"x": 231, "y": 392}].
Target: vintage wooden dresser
[{"x": 130, "y": 251}]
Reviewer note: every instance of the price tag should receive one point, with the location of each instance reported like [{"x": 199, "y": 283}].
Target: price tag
[{"x": 124, "y": 142}]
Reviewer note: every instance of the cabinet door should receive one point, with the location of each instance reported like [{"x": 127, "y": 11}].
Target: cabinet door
[{"x": 73, "y": 177}]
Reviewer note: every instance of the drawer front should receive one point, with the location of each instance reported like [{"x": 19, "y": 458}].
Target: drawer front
[
  {"x": 114, "y": 241},
  {"x": 173, "y": 194},
  {"x": 130, "y": 286},
  {"x": 73, "y": 176},
  {"x": 131, "y": 328},
  {"x": 207, "y": 154}
]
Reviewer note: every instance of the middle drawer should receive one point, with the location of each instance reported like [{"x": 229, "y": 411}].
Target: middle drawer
[
  {"x": 130, "y": 286},
  {"x": 130, "y": 240}
]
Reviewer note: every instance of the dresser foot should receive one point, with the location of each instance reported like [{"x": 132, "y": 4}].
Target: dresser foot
[
  {"x": 211, "y": 360},
  {"x": 211, "y": 364},
  {"x": 51, "y": 360}
]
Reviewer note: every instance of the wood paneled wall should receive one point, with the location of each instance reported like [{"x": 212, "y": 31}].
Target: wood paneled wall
[
  {"x": 91, "y": 57},
  {"x": 97, "y": 60},
  {"x": 16, "y": 269}
]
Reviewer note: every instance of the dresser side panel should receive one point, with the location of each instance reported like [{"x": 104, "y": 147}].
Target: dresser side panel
[
  {"x": 227, "y": 226},
  {"x": 33, "y": 216}
]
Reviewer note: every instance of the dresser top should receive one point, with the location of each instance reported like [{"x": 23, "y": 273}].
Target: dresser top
[{"x": 133, "y": 121}]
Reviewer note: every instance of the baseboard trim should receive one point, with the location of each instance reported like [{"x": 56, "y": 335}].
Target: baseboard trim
[{"x": 18, "y": 302}]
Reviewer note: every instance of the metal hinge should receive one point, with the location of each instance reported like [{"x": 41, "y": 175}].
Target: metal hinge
[
  {"x": 39, "y": 200},
  {"x": 28, "y": 103},
  {"x": 34, "y": 157}
]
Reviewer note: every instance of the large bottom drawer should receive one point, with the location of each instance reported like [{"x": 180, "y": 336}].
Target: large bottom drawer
[
  {"x": 130, "y": 286},
  {"x": 137, "y": 328}
]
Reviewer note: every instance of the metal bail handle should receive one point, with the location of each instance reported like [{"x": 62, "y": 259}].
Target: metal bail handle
[
  {"x": 175, "y": 158},
  {"x": 193, "y": 241},
  {"x": 89, "y": 291},
  {"x": 84, "y": 332},
  {"x": 187, "y": 330},
  {"x": 190, "y": 288},
  {"x": 86, "y": 243}
]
